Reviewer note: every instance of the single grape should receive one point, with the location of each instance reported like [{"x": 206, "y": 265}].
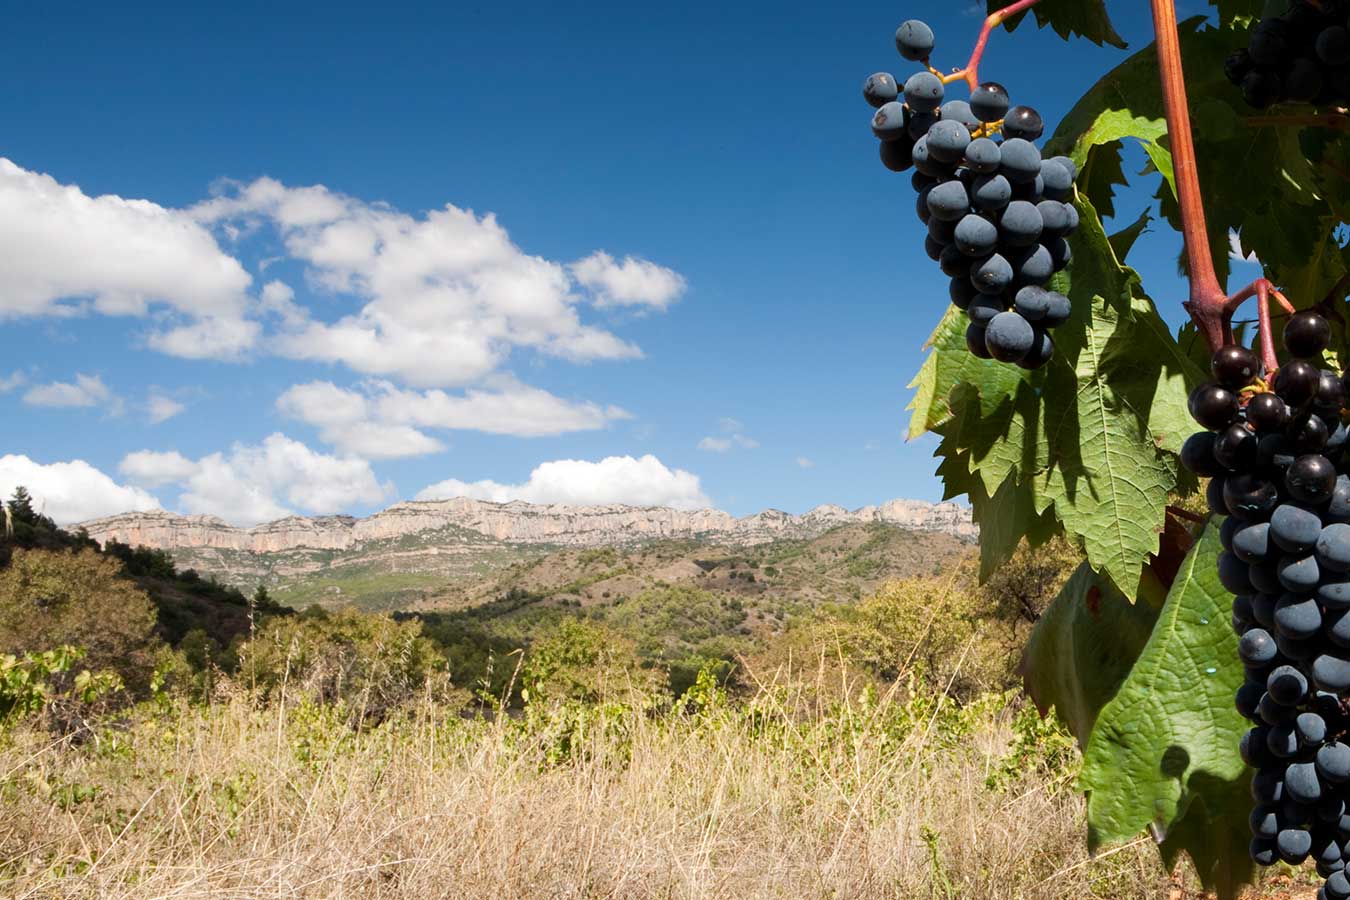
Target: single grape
[
  {"x": 1268, "y": 412},
  {"x": 954, "y": 263},
  {"x": 1251, "y": 541},
  {"x": 880, "y": 89},
  {"x": 1248, "y": 697},
  {"x": 920, "y": 123},
  {"x": 1058, "y": 311},
  {"x": 1301, "y": 784},
  {"x": 1338, "y": 886},
  {"x": 1197, "y": 453},
  {"x": 1237, "y": 65},
  {"x": 1263, "y": 606},
  {"x": 942, "y": 231},
  {"x": 1262, "y": 88},
  {"x": 1331, "y": 673},
  {"x": 1333, "y": 763},
  {"x": 1234, "y": 366},
  {"x": 1295, "y": 530},
  {"x": 1054, "y": 218},
  {"x": 949, "y": 201},
  {"x": 1310, "y": 728},
  {"x": 898, "y": 156},
  {"x": 1257, "y": 649},
  {"x": 1020, "y": 225},
  {"x": 920, "y": 181},
  {"x": 1264, "y": 822},
  {"x": 1333, "y": 46},
  {"x": 1287, "y": 685},
  {"x": 1296, "y": 383},
  {"x": 888, "y": 122},
  {"x": 1336, "y": 626},
  {"x": 1253, "y": 748},
  {"x": 1307, "y": 434},
  {"x": 1303, "y": 81},
  {"x": 1268, "y": 46},
  {"x": 1298, "y": 617},
  {"x": 1023, "y": 122},
  {"x": 1311, "y": 479},
  {"x": 1333, "y": 547},
  {"x": 933, "y": 248},
  {"x": 983, "y": 156},
  {"x": 976, "y": 235},
  {"x": 991, "y": 193},
  {"x": 1020, "y": 160},
  {"x": 1009, "y": 337},
  {"x": 923, "y": 92},
  {"x": 947, "y": 140},
  {"x": 989, "y": 101},
  {"x": 1262, "y": 852},
  {"x": 983, "y": 308},
  {"x": 1072, "y": 212},
  {"x": 914, "y": 40},
  {"x": 1306, "y": 334},
  {"x": 1235, "y": 447},
  {"x": 1042, "y": 349},
  {"x": 1293, "y": 844},
  {"x": 959, "y": 111},
  {"x": 1032, "y": 266},
  {"x": 1060, "y": 252},
  {"x": 1212, "y": 405},
  {"x": 961, "y": 292},
  {"x": 1340, "y": 499},
  {"x": 1267, "y": 786},
  {"x": 1033, "y": 190},
  {"x": 1250, "y": 497},
  {"x": 1330, "y": 395},
  {"x": 1057, "y": 180},
  {"x": 993, "y": 275},
  {"x": 975, "y": 342}
]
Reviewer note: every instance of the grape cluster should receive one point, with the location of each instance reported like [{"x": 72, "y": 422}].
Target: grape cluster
[
  {"x": 1302, "y": 56},
  {"x": 998, "y": 215},
  {"x": 1275, "y": 461}
]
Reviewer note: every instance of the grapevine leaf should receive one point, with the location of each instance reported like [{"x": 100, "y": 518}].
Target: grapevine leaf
[
  {"x": 1238, "y": 11},
  {"x": 1084, "y": 18},
  {"x": 1214, "y": 833},
  {"x": 1165, "y": 746},
  {"x": 1123, "y": 240},
  {"x": 1008, "y": 516},
  {"x": 1090, "y": 439},
  {"x": 1084, "y": 646}
]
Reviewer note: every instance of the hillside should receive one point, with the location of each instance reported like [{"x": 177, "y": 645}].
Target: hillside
[{"x": 412, "y": 552}]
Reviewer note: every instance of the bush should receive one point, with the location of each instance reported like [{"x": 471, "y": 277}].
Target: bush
[
  {"x": 369, "y": 662},
  {"x": 50, "y": 599}
]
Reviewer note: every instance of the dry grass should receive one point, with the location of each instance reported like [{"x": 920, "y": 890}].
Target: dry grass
[{"x": 774, "y": 799}]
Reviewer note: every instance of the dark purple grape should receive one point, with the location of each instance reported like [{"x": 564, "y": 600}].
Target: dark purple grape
[
  {"x": 1306, "y": 334},
  {"x": 880, "y": 89},
  {"x": 1197, "y": 454},
  {"x": 1213, "y": 406},
  {"x": 1311, "y": 479},
  {"x": 1267, "y": 412},
  {"x": 1308, "y": 434},
  {"x": 1296, "y": 383},
  {"x": 989, "y": 102},
  {"x": 1235, "y": 448},
  {"x": 1234, "y": 366},
  {"x": 1023, "y": 122}
]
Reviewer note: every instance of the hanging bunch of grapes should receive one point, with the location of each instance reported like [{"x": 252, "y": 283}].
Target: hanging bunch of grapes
[
  {"x": 997, "y": 214},
  {"x": 1302, "y": 56},
  {"x": 1276, "y": 463}
]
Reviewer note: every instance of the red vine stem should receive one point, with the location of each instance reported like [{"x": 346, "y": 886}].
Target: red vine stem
[
  {"x": 1264, "y": 292},
  {"x": 971, "y": 73},
  {"x": 1208, "y": 302}
]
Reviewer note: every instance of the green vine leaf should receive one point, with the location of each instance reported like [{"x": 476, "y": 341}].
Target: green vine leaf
[
  {"x": 1084, "y": 646},
  {"x": 1091, "y": 439},
  {"x": 1084, "y": 18},
  {"x": 1163, "y": 753},
  {"x": 1123, "y": 240}
]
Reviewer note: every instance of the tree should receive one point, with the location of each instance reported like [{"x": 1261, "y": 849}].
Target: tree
[
  {"x": 21, "y": 506},
  {"x": 1136, "y": 652}
]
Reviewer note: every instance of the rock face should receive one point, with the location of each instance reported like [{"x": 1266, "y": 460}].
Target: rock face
[{"x": 517, "y": 523}]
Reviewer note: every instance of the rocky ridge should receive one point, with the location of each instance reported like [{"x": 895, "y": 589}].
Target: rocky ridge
[{"x": 518, "y": 523}]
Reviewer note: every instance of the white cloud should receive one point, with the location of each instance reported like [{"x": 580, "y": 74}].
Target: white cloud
[
  {"x": 805, "y": 463},
  {"x": 258, "y": 483},
  {"x": 1235, "y": 250},
  {"x": 152, "y": 469},
  {"x": 66, "y": 252},
  {"x": 383, "y": 421},
  {"x": 447, "y": 296},
  {"x": 159, "y": 408},
  {"x": 12, "y": 382},
  {"x": 634, "y": 282},
  {"x": 70, "y": 491},
  {"x": 645, "y": 481},
  {"x": 732, "y": 438},
  {"x": 86, "y": 391}
]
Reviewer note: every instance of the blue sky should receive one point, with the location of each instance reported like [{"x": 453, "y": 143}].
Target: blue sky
[{"x": 680, "y": 246}]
